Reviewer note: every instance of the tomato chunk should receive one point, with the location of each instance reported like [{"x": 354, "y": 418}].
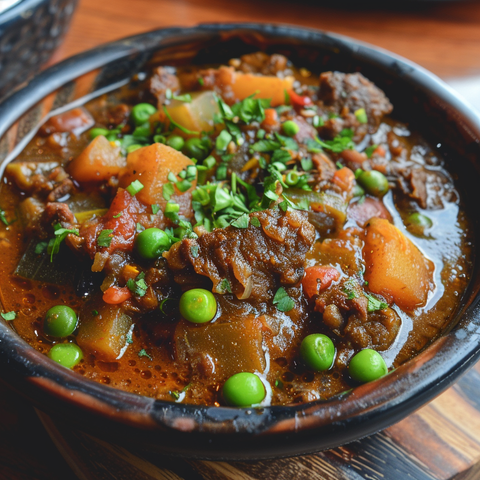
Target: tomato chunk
[{"x": 318, "y": 278}]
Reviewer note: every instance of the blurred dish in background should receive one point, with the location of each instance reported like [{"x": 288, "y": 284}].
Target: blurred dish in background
[{"x": 30, "y": 31}]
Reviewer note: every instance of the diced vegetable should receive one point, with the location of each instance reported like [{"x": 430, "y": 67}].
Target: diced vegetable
[
  {"x": 262, "y": 86},
  {"x": 234, "y": 346},
  {"x": 103, "y": 330},
  {"x": 116, "y": 295},
  {"x": 151, "y": 166},
  {"x": 394, "y": 267},
  {"x": 98, "y": 162},
  {"x": 318, "y": 278},
  {"x": 196, "y": 115}
]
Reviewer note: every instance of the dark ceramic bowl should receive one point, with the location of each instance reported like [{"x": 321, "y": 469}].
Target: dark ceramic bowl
[
  {"x": 30, "y": 31},
  {"x": 209, "y": 432}
]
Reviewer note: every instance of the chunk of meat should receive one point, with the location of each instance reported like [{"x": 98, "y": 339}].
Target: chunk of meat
[
  {"x": 249, "y": 262},
  {"x": 352, "y": 91},
  {"x": 260, "y": 62},
  {"x": 431, "y": 189},
  {"x": 163, "y": 79},
  {"x": 76, "y": 121},
  {"x": 56, "y": 212},
  {"x": 394, "y": 266},
  {"x": 362, "y": 211}
]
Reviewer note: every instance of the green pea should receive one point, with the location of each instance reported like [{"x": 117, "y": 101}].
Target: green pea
[
  {"x": 317, "y": 351},
  {"x": 142, "y": 112},
  {"x": 95, "y": 132},
  {"x": 176, "y": 142},
  {"x": 151, "y": 243},
  {"x": 60, "y": 321},
  {"x": 374, "y": 182},
  {"x": 290, "y": 128},
  {"x": 419, "y": 220},
  {"x": 198, "y": 305},
  {"x": 243, "y": 390},
  {"x": 66, "y": 354},
  {"x": 367, "y": 365},
  {"x": 194, "y": 148}
]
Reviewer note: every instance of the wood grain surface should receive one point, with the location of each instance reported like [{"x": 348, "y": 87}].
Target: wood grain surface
[{"x": 443, "y": 439}]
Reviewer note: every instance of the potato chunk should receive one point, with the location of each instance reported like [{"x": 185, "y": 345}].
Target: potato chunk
[
  {"x": 104, "y": 334},
  {"x": 151, "y": 166},
  {"x": 97, "y": 163},
  {"x": 219, "y": 350},
  {"x": 394, "y": 266},
  {"x": 262, "y": 86}
]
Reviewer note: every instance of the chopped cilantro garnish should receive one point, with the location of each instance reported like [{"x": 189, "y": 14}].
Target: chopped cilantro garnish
[
  {"x": 225, "y": 286},
  {"x": 187, "y": 98},
  {"x": 143, "y": 353},
  {"x": 134, "y": 187},
  {"x": 105, "y": 238},
  {"x": 241, "y": 222},
  {"x": 317, "y": 121},
  {"x": 374, "y": 304},
  {"x": 168, "y": 191},
  {"x": 307, "y": 164},
  {"x": 8, "y": 316},
  {"x": 201, "y": 81},
  {"x": 278, "y": 384},
  {"x": 4, "y": 220},
  {"x": 138, "y": 286},
  {"x": 255, "y": 221},
  {"x": 155, "y": 208},
  {"x": 94, "y": 313},
  {"x": 40, "y": 247},
  {"x": 174, "y": 394},
  {"x": 339, "y": 143},
  {"x": 194, "y": 250},
  {"x": 60, "y": 235},
  {"x": 118, "y": 215},
  {"x": 282, "y": 300},
  {"x": 222, "y": 141},
  {"x": 265, "y": 146},
  {"x": 369, "y": 150}
]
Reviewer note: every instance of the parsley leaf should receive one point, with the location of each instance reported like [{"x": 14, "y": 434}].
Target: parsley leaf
[
  {"x": 167, "y": 191},
  {"x": 8, "y": 316},
  {"x": 255, "y": 221},
  {"x": 374, "y": 304},
  {"x": 338, "y": 144},
  {"x": 369, "y": 150},
  {"x": 40, "y": 247},
  {"x": 105, "y": 238},
  {"x": 265, "y": 146},
  {"x": 60, "y": 235},
  {"x": 143, "y": 353},
  {"x": 225, "y": 286},
  {"x": 282, "y": 300},
  {"x": 4, "y": 220},
  {"x": 241, "y": 222},
  {"x": 138, "y": 286},
  {"x": 155, "y": 208}
]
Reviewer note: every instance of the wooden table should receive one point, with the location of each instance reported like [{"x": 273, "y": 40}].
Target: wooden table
[{"x": 443, "y": 37}]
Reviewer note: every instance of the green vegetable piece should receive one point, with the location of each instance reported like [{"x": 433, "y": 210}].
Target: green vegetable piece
[
  {"x": 367, "y": 365},
  {"x": 198, "y": 305},
  {"x": 243, "y": 390},
  {"x": 66, "y": 354},
  {"x": 222, "y": 141},
  {"x": 292, "y": 178},
  {"x": 290, "y": 128},
  {"x": 374, "y": 182},
  {"x": 142, "y": 112},
  {"x": 8, "y": 316},
  {"x": 176, "y": 142},
  {"x": 95, "y": 132},
  {"x": 361, "y": 115},
  {"x": 317, "y": 351},
  {"x": 135, "y": 187},
  {"x": 105, "y": 238},
  {"x": 151, "y": 243},
  {"x": 194, "y": 148},
  {"x": 132, "y": 148},
  {"x": 60, "y": 321},
  {"x": 282, "y": 301},
  {"x": 420, "y": 221}
]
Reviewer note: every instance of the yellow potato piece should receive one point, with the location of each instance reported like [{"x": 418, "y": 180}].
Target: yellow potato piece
[
  {"x": 98, "y": 162},
  {"x": 394, "y": 266},
  {"x": 196, "y": 115},
  {"x": 104, "y": 334},
  {"x": 246, "y": 84},
  {"x": 151, "y": 166}
]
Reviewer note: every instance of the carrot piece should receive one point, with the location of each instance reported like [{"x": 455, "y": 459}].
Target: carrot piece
[
  {"x": 318, "y": 278},
  {"x": 116, "y": 295},
  {"x": 271, "y": 117},
  {"x": 344, "y": 178},
  {"x": 380, "y": 151}
]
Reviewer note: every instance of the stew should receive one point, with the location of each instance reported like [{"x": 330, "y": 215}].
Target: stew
[{"x": 245, "y": 234}]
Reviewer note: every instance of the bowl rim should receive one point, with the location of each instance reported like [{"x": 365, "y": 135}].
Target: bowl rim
[{"x": 404, "y": 390}]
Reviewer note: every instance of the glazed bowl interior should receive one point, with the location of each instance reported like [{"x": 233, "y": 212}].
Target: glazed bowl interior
[{"x": 420, "y": 99}]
